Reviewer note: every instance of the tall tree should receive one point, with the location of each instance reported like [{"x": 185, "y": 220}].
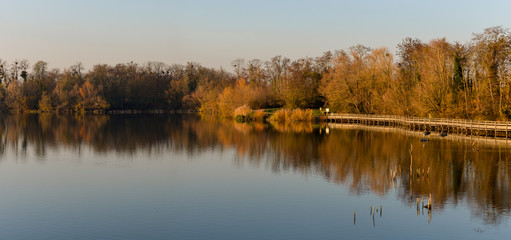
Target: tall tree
[{"x": 492, "y": 50}]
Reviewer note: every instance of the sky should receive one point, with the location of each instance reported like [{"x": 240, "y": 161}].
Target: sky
[{"x": 216, "y": 32}]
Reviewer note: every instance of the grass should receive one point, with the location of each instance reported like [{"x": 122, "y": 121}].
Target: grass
[
  {"x": 296, "y": 115},
  {"x": 280, "y": 115}
]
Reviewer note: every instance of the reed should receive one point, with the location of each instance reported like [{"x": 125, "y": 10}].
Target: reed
[
  {"x": 296, "y": 115},
  {"x": 301, "y": 115},
  {"x": 280, "y": 116}
]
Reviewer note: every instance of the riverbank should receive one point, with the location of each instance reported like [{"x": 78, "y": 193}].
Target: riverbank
[{"x": 468, "y": 127}]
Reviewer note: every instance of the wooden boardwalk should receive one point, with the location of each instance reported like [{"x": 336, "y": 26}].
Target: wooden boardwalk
[
  {"x": 480, "y": 140},
  {"x": 459, "y": 126}
]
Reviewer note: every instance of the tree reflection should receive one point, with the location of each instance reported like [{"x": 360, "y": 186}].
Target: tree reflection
[{"x": 375, "y": 161}]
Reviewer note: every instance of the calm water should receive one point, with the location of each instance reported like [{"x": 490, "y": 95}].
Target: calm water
[{"x": 180, "y": 177}]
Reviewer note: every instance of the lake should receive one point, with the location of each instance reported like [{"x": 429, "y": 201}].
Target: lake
[{"x": 192, "y": 177}]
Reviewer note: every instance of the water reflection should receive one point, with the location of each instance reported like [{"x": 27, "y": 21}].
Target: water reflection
[{"x": 367, "y": 161}]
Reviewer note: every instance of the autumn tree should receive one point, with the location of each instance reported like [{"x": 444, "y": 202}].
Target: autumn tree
[
  {"x": 358, "y": 81},
  {"x": 4, "y": 73},
  {"x": 435, "y": 68},
  {"x": 492, "y": 62},
  {"x": 45, "y": 103},
  {"x": 234, "y": 97},
  {"x": 461, "y": 84},
  {"x": 300, "y": 87},
  {"x": 381, "y": 76},
  {"x": 335, "y": 84},
  {"x": 210, "y": 85},
  {"x": 242, "y": 93},
  {"x": 183, "y": 83},
  {"x": 90, "y": 99},
  {"x": 409, "y": 53},
  {"x": 66, "y": 92},
  {"x": 14, "y": 98},
  {"x": 277, "y": 70}
]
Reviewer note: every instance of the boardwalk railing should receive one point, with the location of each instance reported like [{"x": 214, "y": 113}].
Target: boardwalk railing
[{"x": 462, "y": 126}]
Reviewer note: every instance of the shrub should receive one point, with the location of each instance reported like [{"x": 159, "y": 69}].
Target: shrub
[
  {"x": 299, "y": 115},
  {"x": 45, "y": 103},
  {"x": 243, "y": 110},
  {"x": 242, "y": 114},
  {"x": 280, "y": 115}
]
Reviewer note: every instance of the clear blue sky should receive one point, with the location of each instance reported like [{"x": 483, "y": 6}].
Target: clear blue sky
[{"x": 213, "y": 33}]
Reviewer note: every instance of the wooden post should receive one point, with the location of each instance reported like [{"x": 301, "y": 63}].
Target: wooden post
[
  {"x": 471, "y": 127},
  {"x": 411, "y": 160}
]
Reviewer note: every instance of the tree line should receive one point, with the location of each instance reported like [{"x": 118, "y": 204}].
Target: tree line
[{"x": 436, "y": 79}]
